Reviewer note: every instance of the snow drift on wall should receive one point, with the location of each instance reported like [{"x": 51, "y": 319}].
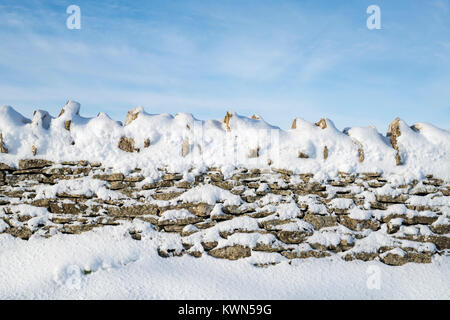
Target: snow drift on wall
[{"x": 181, "y": 142}]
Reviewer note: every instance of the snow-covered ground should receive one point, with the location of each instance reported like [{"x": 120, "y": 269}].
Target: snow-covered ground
[{"x": 107, "y": 264}]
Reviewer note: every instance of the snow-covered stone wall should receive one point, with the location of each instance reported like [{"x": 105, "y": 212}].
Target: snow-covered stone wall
[
  {"x": 268, "y": 214},
  {"x": 182, "y": 142}
]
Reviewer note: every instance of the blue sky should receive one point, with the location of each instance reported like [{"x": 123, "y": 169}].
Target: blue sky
[{"x": 279, "y": 59}]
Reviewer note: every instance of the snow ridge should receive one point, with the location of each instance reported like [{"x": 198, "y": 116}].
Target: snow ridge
[{"x": 182, "y": 142}]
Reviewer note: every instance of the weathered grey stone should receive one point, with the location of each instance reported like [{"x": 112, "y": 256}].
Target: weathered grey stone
[
  {"x": 181, "y": 222},
  {"x": 22, "y": 232},
  {"x": 137, "y": 178},
  {"x": 319, "y": 222},
  {"x": 440, "y": 228},
  {"x": 34, "y": 164},
  {"x": 293, "y": 237},
  {"x": 67, "y": 208},
  {"x": 126, "y": 144},
  {"x": 359, "y": 225},
  {"x": 305, "y": 254},
  {"x": 117, "y": 185},
  {"x": 166, "y": 195},
  {"x": 185, "y": 147},
  {"x": 209, "y": 245},
  {"x": 155, "y": 185},
  {"x": 172, "y": 177},
  {"x": 173, "y": 228},
  {"x": 134, "y": 211},
  {"x": 3, "y": 148},
  {"x": 184, "y": 185},
  {"x": 272, "y": 225},
  {"x": 110, "y": 177},
  {"x": 253, "y": 153},
  {"x": 391, "y": 199},
  {"x": 166, "y": 253},
  {"x": 4, "y": 166},
  {"x": 234, "y": 252},
  {"x": 364, "y": 256},
  {"x": 198, "y": 209}
]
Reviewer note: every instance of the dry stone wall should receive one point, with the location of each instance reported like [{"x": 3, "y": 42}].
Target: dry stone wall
[{"x": 362, "y": 216}]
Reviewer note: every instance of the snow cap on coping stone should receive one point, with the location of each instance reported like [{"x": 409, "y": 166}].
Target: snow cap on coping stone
[
  {"x": 72, "y": 108},
  {"x": 10, "y": 118},
  {"x": 41, "y": 119}
]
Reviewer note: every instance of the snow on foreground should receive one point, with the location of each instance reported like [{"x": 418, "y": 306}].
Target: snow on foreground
[
  {"x": 180, "y": 142},
  {"x": 106, "y": 264}
]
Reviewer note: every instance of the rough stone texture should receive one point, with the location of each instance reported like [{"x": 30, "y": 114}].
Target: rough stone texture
[
  {"x": 73, "y": 212},
  {"x": 185, "y": 147},
  {"x": 3, "y": 148},
  {"x": 132, "y": 115},
  {"x": 302, "y": 155},
  {"x": 253, "y": 153},
  {"x": 325, "y": 152},
  {"x": 126, "y": 144},
  {"x": 294, "y": 124},
  {"x": 226, "y": 120},
  {"x": 393, "y": 133},
  {"x": 34, "y": 164},
  {"x": 322, "y": 123},
  {"x": 67, "y": 124},
  {"x": 231, "y": 252}
]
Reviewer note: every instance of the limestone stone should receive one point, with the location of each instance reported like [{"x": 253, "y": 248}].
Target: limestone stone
[
  {"x": 19, "y": 232},
  {"x": 440, "y": 228},
  {"x": 33, "y": 164},
  {"x": 166, "y": 253},
  {"x": 117, "y": 185},
  {"x": 233, "y": 252},
  {"x": 319, "y": 222},
  {"x": 3, "y": 148},
  {"x": 133, "y": 115},
  {"x": 290, "y": 254},
  {"x": 302, "y": 155},
  {"x": 172, "y": 177},
  {"x": 209, "y": 245},
  {"x": 226, "y": 120},
  {"x": 67, "y": 208},
  {"x": 359, "y": 225},
  {"x": 134, "y": 211},
  {"x": 293, "y": 237},
  {"x": 185, "y": 147},
  {"x": 272, "y": 225},
  {"x": 109, "y": 177},
  {"x": 391, "y": 199},
  {"x": 198, "y": 209},
  {"x": 5, "y": 167},
  {"x": 364, "y": 256},
  {"x": 126, "y": 144},
  {"x": 253, "y": 153},
  {"x": 322, "y": 123},
  {"x": 166, "y": 195},
  {"x": 156, "y": 185}
]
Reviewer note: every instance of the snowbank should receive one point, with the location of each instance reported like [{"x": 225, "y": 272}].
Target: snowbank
[{"x": 106, "y": 264}]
